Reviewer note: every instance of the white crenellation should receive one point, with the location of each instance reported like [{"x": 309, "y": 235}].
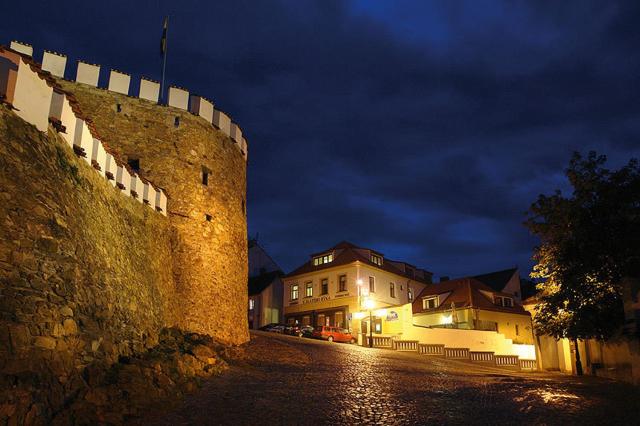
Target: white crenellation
[
  {"x": 236, "y": 133},
  {"x": 149, "y": 90},
  {"x": 178, "y": 98},
  {"x": 83, "y": 140},
  {"x": 98, "y": 157},
  {"x": 21, "y": 47},
  {"x": 88, "y": 73},
  {"x": 39, "y": 100},
  {"x": 202, "y": 107},
  {"x": 111, "y": 168},
  {"x": 123, "y": 178},
  {"x": 119, "y": 82},
  {"x": 136, "y": 188},
  {"x": 54, "y": 62},
  {"x": 32, "y": 97},
  {"x": 222, "y": 122},
  {"x": 149, "y": 194}
]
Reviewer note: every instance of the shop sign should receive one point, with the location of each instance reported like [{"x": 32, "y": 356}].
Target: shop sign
[
  {"x": 392, "y": 316},
  {"x": 315, "y": 299}
]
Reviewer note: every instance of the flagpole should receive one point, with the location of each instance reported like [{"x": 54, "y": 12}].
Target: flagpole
[{"x": 164, "y": 57}]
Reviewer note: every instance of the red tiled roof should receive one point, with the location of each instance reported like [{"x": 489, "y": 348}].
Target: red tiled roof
[
  {"x": 464, "y": 293},
  {"x": 345, "y": 253}
]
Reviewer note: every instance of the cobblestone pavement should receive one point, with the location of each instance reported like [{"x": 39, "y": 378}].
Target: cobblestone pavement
[{"x": 289, "y": 380}]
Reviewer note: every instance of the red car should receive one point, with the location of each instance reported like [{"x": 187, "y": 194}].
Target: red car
[{"x": 333, "y": 334}]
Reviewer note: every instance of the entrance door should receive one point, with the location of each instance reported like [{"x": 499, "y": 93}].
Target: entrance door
[{"x": 364, "y": 331}]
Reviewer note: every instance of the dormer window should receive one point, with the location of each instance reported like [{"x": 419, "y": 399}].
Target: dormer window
[
  {"x": 504, "y": 301},
  {"x": 321, "y": 260},
  {"x": 376, "y": 259},
  {"x": 430, "y": 302}
]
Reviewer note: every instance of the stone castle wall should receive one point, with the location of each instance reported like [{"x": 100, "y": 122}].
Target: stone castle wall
[
  {"x": 174, "y": 148},
  {"x": 86, "y": 272}
]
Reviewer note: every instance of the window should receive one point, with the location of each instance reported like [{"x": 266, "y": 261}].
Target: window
[
  {"x": 134, "y": 163},
  {"x": 294, "y": 292},
  {"x": 321, "y": 260},
  {"x": 308, "y": 289},
  {"x": 376, "y": 259},
  {"x": 176, "y": 122},
  {"x": 392, "y": 290},
  {"x": 118, "y": 107},
  {"x": 410, "y": 294},
  {"x": 339, "y": 322},
  {"x": 252, "y": 304},
  {"x": 429, "y": 303},
  {"x": 324, "y": 286},
  {"x": 517, "y": 330},
  {"x": 208, "y": 217},
  {"x": 372, "y": 285},
  {"x": 507, "y": 302},
  {"x": 244, "y": 210},
  {"x": 205, "y": 175},
  {"x": 342, "y": 283}
]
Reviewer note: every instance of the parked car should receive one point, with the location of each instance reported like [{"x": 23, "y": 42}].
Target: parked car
[
  {"x": 292, "y": 330},
  {"x": 268, "y": 327},
  {"x": 305, "y": 331},
  {"x": 279, "y": 328},
  {"x": 333, "y": 334}
]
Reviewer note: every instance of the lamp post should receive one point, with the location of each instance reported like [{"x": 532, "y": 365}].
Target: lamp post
[{"x": 370, "y": 304}]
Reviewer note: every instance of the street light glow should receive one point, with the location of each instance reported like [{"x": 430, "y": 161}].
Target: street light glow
[{"x": 369, "y": 304}]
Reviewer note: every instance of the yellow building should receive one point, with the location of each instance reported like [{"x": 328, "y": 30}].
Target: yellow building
[{"x": 332, "y": 286}]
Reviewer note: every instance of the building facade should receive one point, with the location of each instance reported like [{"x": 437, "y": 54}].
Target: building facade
[
  {"x": 333, "y": 284},
  {"x": 265, "y": 288}
]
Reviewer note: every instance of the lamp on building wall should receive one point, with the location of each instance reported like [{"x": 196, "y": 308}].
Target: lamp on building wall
[{"x": 369, "y": 304}]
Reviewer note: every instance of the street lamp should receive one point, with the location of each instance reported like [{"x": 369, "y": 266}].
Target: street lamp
[{"x": 370, "y": 304}]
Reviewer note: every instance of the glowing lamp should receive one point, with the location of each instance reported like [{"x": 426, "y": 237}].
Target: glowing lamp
[
  {"x": 446, "y": 319},
  {"x": 359, "y": 281},
  {"x": 359, "y": 315},
  {"x": 369, "y": 304}
]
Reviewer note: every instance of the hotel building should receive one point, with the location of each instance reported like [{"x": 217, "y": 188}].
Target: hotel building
[{"x": 334, "y": 283}]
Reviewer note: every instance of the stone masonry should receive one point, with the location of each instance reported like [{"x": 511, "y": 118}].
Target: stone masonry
[{"x": 174, "y": 147}]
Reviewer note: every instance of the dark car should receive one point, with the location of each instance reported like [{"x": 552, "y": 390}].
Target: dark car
[
  {"x": 292, "y": 329},
  {"x": 268, "y": 327},
  {"x": 305, "y": 331},
  {"x": 333, "y": 334}
]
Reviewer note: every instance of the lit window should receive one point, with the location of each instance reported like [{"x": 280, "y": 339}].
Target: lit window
[
  {"x": 430, "y": 303},
  {"x": 342, "y": 283},
  {"x": 308, "y": 289},
  {"x": 392, "y": 290},
  {"x": 376, "y": 259},
  {"x": 410, "y": 294},
  {"x": 294, "y": 292},
  {"x": 324, "y": 286},
  {"x": 321, "y": 260},
  {"x": 372, "y": 285},
  {"x": 252, "y": 304}
]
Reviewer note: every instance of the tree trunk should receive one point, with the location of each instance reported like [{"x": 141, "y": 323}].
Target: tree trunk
[{"x": 578, "y": 362}]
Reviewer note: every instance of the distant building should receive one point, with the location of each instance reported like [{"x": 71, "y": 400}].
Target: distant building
[
  {"x": 467, "y": 303},
  {"x": 332, "y": 284},
  {"x": 506, "y": 281},
  {"x": 265, "y": 288}
]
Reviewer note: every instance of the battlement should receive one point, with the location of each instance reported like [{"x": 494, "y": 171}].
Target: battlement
[
  {"x": 38, "y": 99},
  {"x": 120, "y": 82}
]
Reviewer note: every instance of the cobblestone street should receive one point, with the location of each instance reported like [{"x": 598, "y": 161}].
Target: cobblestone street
[{"x": 289, "y": 380}]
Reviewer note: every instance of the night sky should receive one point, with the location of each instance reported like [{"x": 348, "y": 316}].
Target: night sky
[{"x": 421, "y": 129}]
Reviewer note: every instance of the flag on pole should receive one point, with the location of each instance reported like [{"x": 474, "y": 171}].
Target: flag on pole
[{"x": 163, "y": 42}]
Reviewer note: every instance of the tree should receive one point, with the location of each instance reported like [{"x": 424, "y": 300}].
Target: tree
[{"x": 589, "y": 242}]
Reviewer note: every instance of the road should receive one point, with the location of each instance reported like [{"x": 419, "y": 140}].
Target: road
[{"x": 288, "y": 380}]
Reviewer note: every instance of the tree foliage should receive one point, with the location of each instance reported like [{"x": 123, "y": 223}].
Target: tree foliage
[{"x": 589, "y": 242}]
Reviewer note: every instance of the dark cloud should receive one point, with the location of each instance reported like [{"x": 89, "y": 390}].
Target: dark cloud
[{"x": 423, "y": 129}]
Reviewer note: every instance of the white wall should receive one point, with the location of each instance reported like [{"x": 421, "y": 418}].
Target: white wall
[
  {"x": 222, "y": 122},
  {"x": 54, "y": 62},
  {"x": 32, "y": 97},
  {"x": 98, "y": 155},
  {"x": 119, "y": 82},
  {"x": 149, "y": 90},
  {"x": 236, "y": 133},
  {"x": 178, "y": 98},
  {"x": 88, "y": 73},
  {"x": 24, "y": 48}
]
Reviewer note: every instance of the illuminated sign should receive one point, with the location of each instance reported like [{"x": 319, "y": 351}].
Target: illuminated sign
[
  {"x": 315, "y": 299},
  {"x": 392, "y": 316}
]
